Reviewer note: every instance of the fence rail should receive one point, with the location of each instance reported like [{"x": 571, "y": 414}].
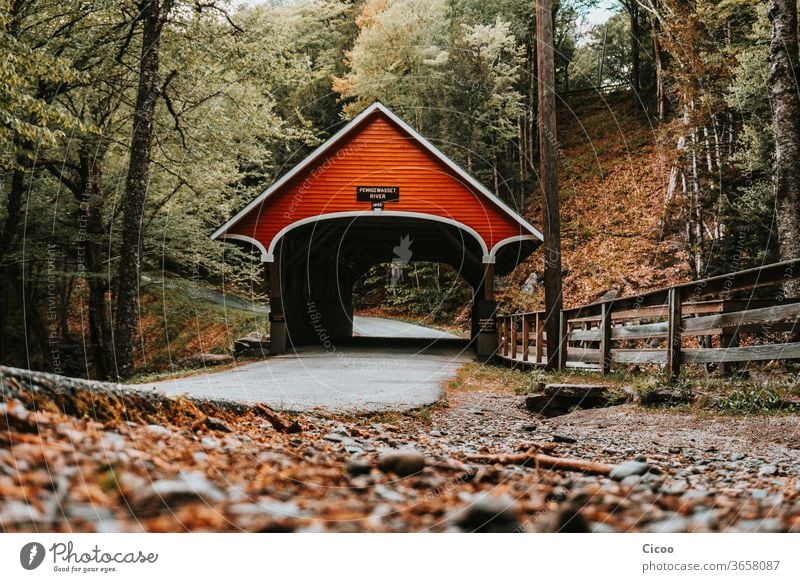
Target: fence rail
[{"x": 672, "y": 326}]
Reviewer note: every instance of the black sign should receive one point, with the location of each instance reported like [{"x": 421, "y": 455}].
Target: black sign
[
  {"x": 378, "y": 193},
  {"x": 486, "y": 311},
  {"x": 487, "y": 324}
]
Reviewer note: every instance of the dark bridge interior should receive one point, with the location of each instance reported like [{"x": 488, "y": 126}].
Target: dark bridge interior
[{"x": 318, "y": 263}]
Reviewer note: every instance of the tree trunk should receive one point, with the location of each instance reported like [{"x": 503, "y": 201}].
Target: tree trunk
[
  {"x": 786, "y": 127},
  {"x": 99, "y": 330},
  {"x": 633, "y": 11},
  {"x": 549, "y": 179},
  {"x": 602, "y": 62},
  {"x": 533, "y": 143},
  {"x": 127, "y": 313},
  {"x": 13, "y": 212},
  {"x": 495, "y": 177},
  {"x": 661, "y": 100},
  {"x": 34, "y": 323}
]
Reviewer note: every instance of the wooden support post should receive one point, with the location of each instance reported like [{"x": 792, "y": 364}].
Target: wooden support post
[
  {"x": 505, "y": 336},
  {"x": 488, "y": 281},
  {"x": 605, "y": 338},
  {"x": 674, "y": 323},
  {"x": 539, "y": 338},
  {"x": 561, "y": 342},
  {"x": 526, "y": 337},
  {"x": 277, "y": 326},
  {"x": 488, "y": 332},
  {"x": 513, "y": 337}
]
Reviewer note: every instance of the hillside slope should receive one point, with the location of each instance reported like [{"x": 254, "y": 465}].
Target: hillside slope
[{"x": 614, "y": 167}]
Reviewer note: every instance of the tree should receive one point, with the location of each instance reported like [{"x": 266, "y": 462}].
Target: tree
[
  {"x": 399, "y": 56},
  {"x": 153, "y": 16},
  {"x": 632, "y": 8},
  {"x": 482, "y": 105},
  {"x": 786, "y": 126},
  {"x": 216, "y": 136}
]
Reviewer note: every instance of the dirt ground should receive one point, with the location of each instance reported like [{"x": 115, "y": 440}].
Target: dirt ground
[{"x": 115, "y": 463}]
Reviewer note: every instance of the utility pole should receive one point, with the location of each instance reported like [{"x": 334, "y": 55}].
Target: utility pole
[{"x": 549, "y": 179}]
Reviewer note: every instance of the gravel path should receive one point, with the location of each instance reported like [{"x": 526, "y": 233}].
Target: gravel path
[{"x": 178, "y": 465}]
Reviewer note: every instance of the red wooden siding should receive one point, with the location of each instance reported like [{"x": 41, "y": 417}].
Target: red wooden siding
[{"x": 377, "y": 153}]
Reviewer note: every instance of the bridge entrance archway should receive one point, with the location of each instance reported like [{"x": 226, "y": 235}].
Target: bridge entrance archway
[{"x": 376, "y": 192}]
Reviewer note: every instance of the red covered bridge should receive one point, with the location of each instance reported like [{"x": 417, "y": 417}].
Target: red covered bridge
[{"x": 349, "y": 204}]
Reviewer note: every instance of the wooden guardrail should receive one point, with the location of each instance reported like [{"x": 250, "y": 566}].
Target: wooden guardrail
[{"x": 672, "y": 326}]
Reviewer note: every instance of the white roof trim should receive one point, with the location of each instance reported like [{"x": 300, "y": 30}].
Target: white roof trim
[
  {"x": 269, "y": 255},
  {"x": 265, "y": 257},
  {"x": 507, "y": 241},
  {"x": 377, "y": 106}
]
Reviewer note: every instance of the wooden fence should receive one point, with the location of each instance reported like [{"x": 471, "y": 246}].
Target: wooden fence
[{"x": 691, "y": 323}]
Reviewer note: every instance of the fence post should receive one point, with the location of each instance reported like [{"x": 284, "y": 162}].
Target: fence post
[
  {"x": 539, "y": 338},
  {"x": 674, "y": 324},
  {"x": 526, "y": 337},
  {"x": 505, "y": 336},
  {"x": 728, "y": 339},
  {"x": 513, "y": 337},
  {"x": 605, "y": 338},
  {"x": 562, "y": 339}
]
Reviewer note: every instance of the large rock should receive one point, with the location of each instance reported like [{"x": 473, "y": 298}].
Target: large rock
[
  {"x": 628, "y": 469},
  {"x": 167, "y": 494},
  {"x": 254, "y": 344},
  {"x": 666, "y": 395},
  {"x": 402, "y": 462},
  {"x": 557, "y": 399},
  {"x": 577, "y": 391},
  {"x": 488, "y": 513},
  {"x": 202, "y": 360},
  {"x": 531, "y": 283}
]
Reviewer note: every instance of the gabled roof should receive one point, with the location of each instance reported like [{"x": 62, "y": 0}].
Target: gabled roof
[{"x": 350, "y": 128}]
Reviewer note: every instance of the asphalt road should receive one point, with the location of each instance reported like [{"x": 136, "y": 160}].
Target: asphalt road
[
  {"x": 380, "y": 327},
  {"x": 364, "y": 374}
]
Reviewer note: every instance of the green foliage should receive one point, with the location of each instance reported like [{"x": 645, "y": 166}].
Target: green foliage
[
  {"x": 220, "y": 133},
  {"x": 432, "y": 292},
  {"x": 750, "y": 398},
  {"x": 610, "y": 43},
  {"x": 29, "y": 74}
]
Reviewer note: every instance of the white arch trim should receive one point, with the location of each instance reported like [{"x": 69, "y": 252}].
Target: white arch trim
[
  {"x": 269, "y": 255},
  {"x": 508, "y": 241},
  {"x": 264, "y": 254}
]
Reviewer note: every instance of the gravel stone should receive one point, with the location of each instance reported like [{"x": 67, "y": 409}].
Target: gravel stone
[
  {"x": 403, "y": 462},
  {"x": 488, "y": 513},
  {"x": 629, "y": 468}
]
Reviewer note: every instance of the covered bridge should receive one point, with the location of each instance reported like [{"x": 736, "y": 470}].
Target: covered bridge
[{"x": 350, "y": 205}]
